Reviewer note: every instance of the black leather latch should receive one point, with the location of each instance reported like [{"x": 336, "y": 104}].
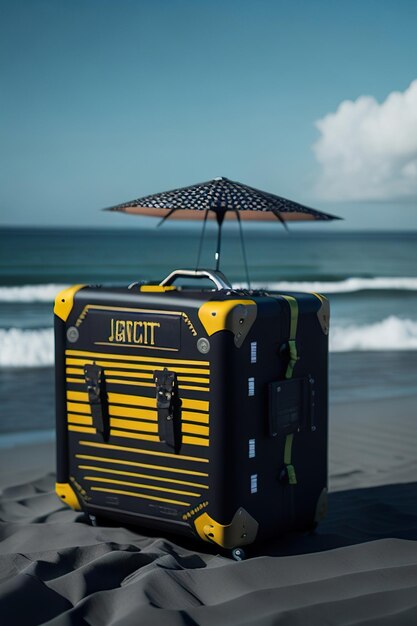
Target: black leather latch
[
  {"x": 97, "y": 397},
  {"x": 168, "y": 405}
]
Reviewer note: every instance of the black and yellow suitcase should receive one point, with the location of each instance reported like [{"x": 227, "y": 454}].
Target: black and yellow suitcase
[{"x": 194, "y": 411}]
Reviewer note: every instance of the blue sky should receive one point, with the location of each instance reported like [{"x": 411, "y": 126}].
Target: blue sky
[{"x": 103, "y": 101}]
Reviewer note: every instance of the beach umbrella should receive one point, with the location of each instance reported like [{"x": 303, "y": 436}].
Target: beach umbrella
[{"x": 220, "y": 199}]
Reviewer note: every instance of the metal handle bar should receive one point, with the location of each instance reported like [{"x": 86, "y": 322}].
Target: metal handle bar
[{"x": 217, "y": 277}]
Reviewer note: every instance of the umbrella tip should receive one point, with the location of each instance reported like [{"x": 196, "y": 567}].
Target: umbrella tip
[{"x": 220, "y": 178}]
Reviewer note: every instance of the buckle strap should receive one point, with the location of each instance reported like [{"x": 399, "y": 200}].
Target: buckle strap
[
  {"x": 97, "y": 398},
  {"x": 168, "y": 405}
]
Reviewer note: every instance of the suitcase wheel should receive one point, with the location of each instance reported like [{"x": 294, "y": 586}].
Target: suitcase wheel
[{"x": 238, "y": 554}]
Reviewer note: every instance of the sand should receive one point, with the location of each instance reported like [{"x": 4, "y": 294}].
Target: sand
[{"x": 360, "y": 567}]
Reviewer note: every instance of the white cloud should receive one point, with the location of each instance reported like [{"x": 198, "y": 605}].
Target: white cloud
[{"x": 367, "y": 150}]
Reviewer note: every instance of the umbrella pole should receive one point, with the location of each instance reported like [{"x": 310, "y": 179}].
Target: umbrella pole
[
  {"x": 242, "y": 243},
  {"x": 220, "y": 218},
  {"x": 203, "y": 230}
]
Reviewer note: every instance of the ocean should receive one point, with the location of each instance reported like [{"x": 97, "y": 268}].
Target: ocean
[{"x": 370, "y": 279}]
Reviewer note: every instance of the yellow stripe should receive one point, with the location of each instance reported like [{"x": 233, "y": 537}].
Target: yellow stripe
[
  {"x": 195, "y": 430},
  {"x": 139, "y": 495},
  {"x": 113, "y": 481},
  {"x": 117, "y": 381},
  {"x": 197, "y": 405},
  {"x": 132, "y": 366},
  {"x": 186, "y": 379},
  {"x": 195, "y": 441},
  {"x": 125, "y": 411},
  {"x": 137, "y": 347},
  {"x": 146, "y": 414},
  {"x": 134, "y": 425},
  {"x": 78, "y": 396},
  {"x": 89, "y": 457},
  {"x": 82, "y": 429},
  {"x": 76, "y": 371},
  {"x": 123, "y": 357},
  {"x": 190, "y": 416},
  {"x": 146, "y": 476},
  {"x": 200, "y": 418},
  {"x": 127, "y": 435},
  {"x": 121, "y": 398},
  {"x": 169, "y": 455},
  {"x": 73, "y": 407},
  {"x": 139, "y": 425},
  {"x": 116, "y": 411},
  {"x": 153, "y": 427},
  {"x": 187, "y": 403},
  {"x": 115, "y": 433},
  {"x": 80, "y": 372},
  {"x": 101, "y": 307},
  {"x": 80, "y": 419}
]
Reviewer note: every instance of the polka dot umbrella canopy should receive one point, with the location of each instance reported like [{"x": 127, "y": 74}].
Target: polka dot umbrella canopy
[{"x": 220, "y": 198}]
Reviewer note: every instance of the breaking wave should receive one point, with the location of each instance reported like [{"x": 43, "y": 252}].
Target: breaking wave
[
  {"x": 30, "y": 293},
  {"x": 47, "y": 292},
  {"x": 26, "y": 348},
  {"x": 392, "y": 333},
  {"x": 349, "y": 285},
  {"x": 35, "y": 348}
]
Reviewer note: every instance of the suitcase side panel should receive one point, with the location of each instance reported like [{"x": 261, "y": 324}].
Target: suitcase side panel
[
  {"x": 254, "y": 478},
  {"x": 297, "y": 455}
]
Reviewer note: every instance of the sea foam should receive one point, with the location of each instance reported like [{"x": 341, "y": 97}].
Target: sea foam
[
  {"x": 349, "y": 285},
  {"x": 392, "y": 333},
  {"x": 47, "y": 292},
  {"x": 26, "y": 348},
  {"x": 30, "y": 293}
]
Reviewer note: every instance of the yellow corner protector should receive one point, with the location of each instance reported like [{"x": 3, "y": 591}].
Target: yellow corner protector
[
  {"x": 236, "y": 316},
  {"x": 65, "y": 492},
  {"x": 64, "y": 301},
  {"x": 240, "y": 532}
]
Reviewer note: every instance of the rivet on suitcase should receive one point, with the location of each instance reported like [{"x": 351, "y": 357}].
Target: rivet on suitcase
[{"x": 195, "y": 411}]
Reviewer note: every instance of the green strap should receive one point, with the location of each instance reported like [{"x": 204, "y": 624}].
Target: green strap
[
  {"x": 292, "y": 477},
  {"x": 293, "y": 332},
  {"x": 288, "y": 448}
]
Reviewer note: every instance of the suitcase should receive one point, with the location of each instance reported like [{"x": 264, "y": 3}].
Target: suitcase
[{"x": 194, "y": 411}]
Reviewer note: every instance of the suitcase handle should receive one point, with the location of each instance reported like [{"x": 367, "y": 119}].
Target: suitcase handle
[{"x": 218, "y": 278}]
